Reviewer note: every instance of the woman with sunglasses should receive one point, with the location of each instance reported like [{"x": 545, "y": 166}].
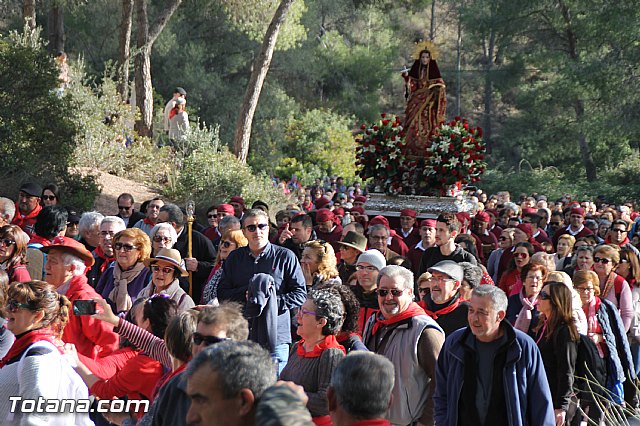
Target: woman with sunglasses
[
  {"x": 511, "y": 281},
  {"x": 557, "y": 339},
  {"x": 522, "y": 310},
  {"x": 230, "y": 241},
  {"x": 613, "y": 287},
  {"x": 606, "y": 329},
  {"x": 35, "y": 367},
  {"x": 50, "y": 195},
  {"x": 319, "y": 264},
  {"x": 13, "y": 253},
  {"x": 505, "y": 243},
  {"x": 123, "y": 280},
  {"x": 166, "y": 269},
  {"x": 313, "y": 358},
  {"x": 163, "y": 236}
]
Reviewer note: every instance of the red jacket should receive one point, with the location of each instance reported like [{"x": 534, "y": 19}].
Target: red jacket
[
  {"x": 93, "y": 338},
  {"x": 26, "y": 223}
]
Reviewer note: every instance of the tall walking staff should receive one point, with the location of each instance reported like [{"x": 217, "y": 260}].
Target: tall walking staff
[{"x": 191, "y": 207}]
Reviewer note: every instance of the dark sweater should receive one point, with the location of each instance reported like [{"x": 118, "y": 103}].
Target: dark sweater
[
  {"x": 559, "y": 357},
  {"x": 433, "y": 255}
]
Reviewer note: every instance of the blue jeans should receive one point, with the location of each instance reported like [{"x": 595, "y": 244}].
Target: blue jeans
[
  {"x": 635, "y": 356},
  {"x": 281, "y": 355}
]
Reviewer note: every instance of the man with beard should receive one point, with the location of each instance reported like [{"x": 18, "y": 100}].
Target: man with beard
[
  {"x": 480, "y": 232},
  {"x": 28, "y": 207},
  {"x": 411, "y": 341},
  {"x": 327, "y": 229},
  {"x": 447, "y": 228},
  {"x": 443, "y": 302},
  {"x": 104, "y": 254}
]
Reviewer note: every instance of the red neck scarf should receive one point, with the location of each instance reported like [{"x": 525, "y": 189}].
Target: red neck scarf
[
  {"x": 37, "y": 239},
  {"x": 435, "y": 314},
  {"x": 328, "y": 342},
  {"x": 107, "y": 260},
  {"x": 412, "y": 311},
  {"x": 608, "y": 241},
  {"x": 29, "y": 338},
  {"x": 148, "y": 221}
]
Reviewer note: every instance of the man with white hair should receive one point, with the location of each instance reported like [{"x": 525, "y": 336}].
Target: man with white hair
[
  {"x": 66, "y": 262},
  {"x": 7, "y": 211},
  {"x": 103, "y": 255}
]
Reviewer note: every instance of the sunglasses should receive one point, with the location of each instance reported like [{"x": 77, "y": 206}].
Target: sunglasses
[
  {"x": 520, "y": 255},
  {"x": 211, "y": 216},
  {"x": 383, "y": 292},
  {"x": 544, "y": 295},
  {"x": 601, "y": 260},
  {"x": 618, "y": 230},
  {"x": 48, "y": 197},
  {"x": 125, "y": 208},
  {"x": 7, "y": 242},
  {"x": 164, "y": 269},
  {"x": 126, "y": 247},
  {"x": 198, "y": 339},
  {"x": 423, "y": 290},
  {"x": 226, "y": 244},
  {"x": 14, "y": 305},
  {"x": 252, "y": 228},
  {"x": 160, "y": 239}
]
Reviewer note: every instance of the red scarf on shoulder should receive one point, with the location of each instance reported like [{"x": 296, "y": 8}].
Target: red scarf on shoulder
[
  {"x": 412, "y": 311},
  {"x": 329, "y": 341},
  {"x": 443, "y": 311},
  {"x": 107, "y": 260},
  {"x": 148, "y": 221},
  {"x": 29, "y": 338}
]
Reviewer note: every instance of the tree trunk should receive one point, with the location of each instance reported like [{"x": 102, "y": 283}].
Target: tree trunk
[
  {"x": 258, "y": 75},
  {"x": 56, "y": 28},
  {"x": 488, "y": 80},
  {"x": 583, "y": 143},
  {"x": 432, "y": 30},
  {"x": 125, "y": 49},
  {"x": 29, "y": 13}
]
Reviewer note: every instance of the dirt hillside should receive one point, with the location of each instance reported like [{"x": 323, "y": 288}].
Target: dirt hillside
[{"x": 112, "y": 186}]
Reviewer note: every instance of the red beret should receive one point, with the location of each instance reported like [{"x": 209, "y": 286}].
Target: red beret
[
  {"x": 237, "y": 199},
  {"x": 225, "y": 208},
  {"x": 526, "y": 228},
  {"x": 482, "y": 217},
  {"x": 379, "y": 220},
  {"x": 529, "y": 210},
  {"x": 578, "y": 210},
  {"x": 493, "y": 212},
  {"x": 463, "y": 216},
  {"x": 357, "y": 210},
  {"x": 339, "y": 211},
  {"x": 431, "y": 223},
  {"x": 408, "y": 212},
  {"x": 360, "y": 199},
  {"x": 324, "y": 215},
  {"x": 321, "y": 202}
]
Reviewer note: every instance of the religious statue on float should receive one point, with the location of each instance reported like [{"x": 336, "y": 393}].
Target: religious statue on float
[{"x": 425, "y": 93}]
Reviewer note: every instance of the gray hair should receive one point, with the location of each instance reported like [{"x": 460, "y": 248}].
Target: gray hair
[
  {"x": 174, "y": 214},
  {"x": 378, "y": 227},
  {"x": 7, "y": 209},
  {"x": 576, "y": 251},
  {"x": 115, "y": 219},
  {"x": 281, "y": 406},
  {"x": 69, "y": 259},
  {"x": 227, "y": 222},
  {"x": 328, "y": 305},
  {"x": 254, "y": 213},
  {"x": 363, "y": 382},
  {"x": 88, "y": 220},
  {"x": 166, "y": 226},
  {"x": 498, "y": 297},
  {"x": 240, "y": 365},
  {"x": 393, "y": 271},
  {"x": 472, "y": 274}
]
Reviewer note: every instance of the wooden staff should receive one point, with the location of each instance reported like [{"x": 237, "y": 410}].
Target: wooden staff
[{"x": 190, "y": 210}]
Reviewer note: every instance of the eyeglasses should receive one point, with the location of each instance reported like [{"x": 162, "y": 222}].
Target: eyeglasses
[
  {"x": 226, "y": 244},
  {"x": 544, "y": 295},
  {"x": 521, "y": 255},
  {"x": 601, "y": 260},
  {"x": 382, "y": 292},
  {"x": 125, "y": 208},
  {"x": 423, "y": 290},
  {"x": 164, "y": 269},
  {"x": 503, "y": 238},
  {"x": 7, "y": 242},
  {"x": 211, "y": 216},
  {"x": 366, "y": 268},
  {"x": 126, "y": 247},
  {"x": 584, "y": 289},
  {"x": 303, "y": 312},
  {"x": 161, "y": 239},
  {"x": 378, "y": 237},
  {"x": 14, "y": 305},
  {"x": 48, "y": 197},
  {"x": 198, "y": 339},
  {"x": 618, "y": 230},
  {"x": 260, "y": 226}
]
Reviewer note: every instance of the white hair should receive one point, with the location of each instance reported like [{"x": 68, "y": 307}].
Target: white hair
[{"x": 69, "y": 259}]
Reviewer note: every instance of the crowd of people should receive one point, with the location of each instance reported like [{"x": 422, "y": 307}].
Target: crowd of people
[{"x": 517, "y": 313}]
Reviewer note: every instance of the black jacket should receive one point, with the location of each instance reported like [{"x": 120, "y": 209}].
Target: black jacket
[{"x": 202, "y": 250}]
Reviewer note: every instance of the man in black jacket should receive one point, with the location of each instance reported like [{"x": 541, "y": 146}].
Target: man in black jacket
[
  {"x": 126, "y": 212},
  {"x": 297, "y": 233},
  {"x": 443, "y": 302}
]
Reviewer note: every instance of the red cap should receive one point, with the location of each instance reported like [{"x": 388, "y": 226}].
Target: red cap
[
  {"x": 379, "y": 220},
  {"x": 578, "y": 210},
  {"x": 69, "y": 245},
  {"x": 324, "y": 215},
  {"x": 357, "y": 210},
  {"x": 321, "y": 202},
  {"x": 225, "y": 208},
  {"x": 526, "y": 228},
  {"x": 529, "y": 210},
  {"x": 493, "y": 212},
  {"x": 482, "y": 217},
  {"x": 237, "y": 199},
  {"x": 431, "y": 223},
  {"x": 360, "y": 199},
  {"x": 463, "y": 217},
  {"x": 408, "y": 212},
  {"x": 339, "y": 211}
]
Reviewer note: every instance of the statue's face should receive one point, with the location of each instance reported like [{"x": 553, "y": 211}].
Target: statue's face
[{"x": 424, "y": 58}]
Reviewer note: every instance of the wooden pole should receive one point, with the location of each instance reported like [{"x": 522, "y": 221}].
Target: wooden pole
[{"x": 190, "y": 210}]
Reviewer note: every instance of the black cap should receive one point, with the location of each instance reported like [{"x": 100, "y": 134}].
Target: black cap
[
  {"x": 74, "y": 217},
  {"x": 32, "y": 189},
  {"x": 260, "y": 205},
  {"x": 180, "y": 90}
]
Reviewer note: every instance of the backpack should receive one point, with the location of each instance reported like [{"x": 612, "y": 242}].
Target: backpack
[{"x": 591, "y": 371}]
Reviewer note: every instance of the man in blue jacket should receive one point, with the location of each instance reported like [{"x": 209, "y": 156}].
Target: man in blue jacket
[{"x": 490, "y": 373}]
